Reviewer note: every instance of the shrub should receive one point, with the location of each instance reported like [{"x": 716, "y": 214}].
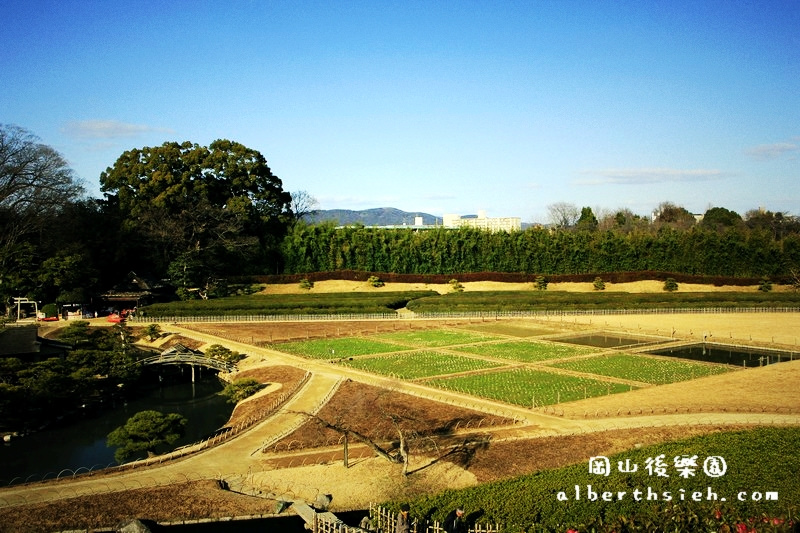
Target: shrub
[
  {"x": 153, "y": 331},
  {"x": 455, "y": 286},
  {"x": 221, "y": 353},
  {"x": 306, "y": 284},
  {"x": 186, "y": 294},
  {"x": 670, "y": 285},
  {"x": 375, "y": 281},
  {"x": 599, "y": 284},
  {"x": 50, "y": 310},
  {"x": 540, "y": 283},
  {"x": 240, "y": 389},
  {"x": 765, "y": 285}
]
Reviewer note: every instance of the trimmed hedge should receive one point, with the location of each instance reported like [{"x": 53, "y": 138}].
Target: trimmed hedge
[
  {"x": 492, "y": 301},
  {"x": 505, "y": 277},
  {"x": 287, "y": 304}
]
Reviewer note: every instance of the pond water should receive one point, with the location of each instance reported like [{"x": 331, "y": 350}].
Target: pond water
[
  {"x": 82, "y": 443},
  {"x": 600, "y": 340},
  {"x": 730, "y": 355}
]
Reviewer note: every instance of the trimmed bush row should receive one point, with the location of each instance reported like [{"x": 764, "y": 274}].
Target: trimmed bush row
[
  {"x": 560, "y": 300},
  {"x": 287, "y": 304},
  {"x": 506, "y": 277},
  {"x": 487, "y": 301}
]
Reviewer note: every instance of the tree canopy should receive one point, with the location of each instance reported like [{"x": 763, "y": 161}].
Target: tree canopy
[
  {"x": 198, "y": 211},
  {"x": 36, "y": 183},
  {"x": 720, "y": 218},
  {"x": 145, "y": 432}
]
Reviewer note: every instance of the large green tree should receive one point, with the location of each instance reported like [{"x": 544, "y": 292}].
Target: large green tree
[
  {"x": 198, "y": 212},
  {"x": 719, "y": 218},
  {"x": 145, "y": 432}
]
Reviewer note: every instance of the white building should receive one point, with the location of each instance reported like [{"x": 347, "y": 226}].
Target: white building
[{"x": 482, "y": 222}]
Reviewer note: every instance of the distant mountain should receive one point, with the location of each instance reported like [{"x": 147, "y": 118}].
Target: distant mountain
[{"x": 379, "y": 216}]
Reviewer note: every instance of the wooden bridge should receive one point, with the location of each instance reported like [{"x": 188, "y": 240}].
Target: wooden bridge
[{"x": 181, "y": 355}]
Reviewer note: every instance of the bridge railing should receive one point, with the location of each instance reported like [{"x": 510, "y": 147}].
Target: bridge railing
[{"x": 189, "y": 359}]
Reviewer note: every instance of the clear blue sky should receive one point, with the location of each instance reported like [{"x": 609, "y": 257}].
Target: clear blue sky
[{"x": 438, "y": 106}]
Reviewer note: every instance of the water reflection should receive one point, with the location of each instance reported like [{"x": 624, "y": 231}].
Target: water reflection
[
  {"x": 81, "y": 444},
  {"x": 731, "y": 355}
]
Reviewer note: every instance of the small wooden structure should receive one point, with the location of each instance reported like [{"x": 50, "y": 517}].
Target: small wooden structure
[{"x": 182, "y": 355}]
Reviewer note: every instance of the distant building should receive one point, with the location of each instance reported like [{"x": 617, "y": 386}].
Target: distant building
[
  {"x": 482, "y": 222},
  {"x": 458, "y": 221}
]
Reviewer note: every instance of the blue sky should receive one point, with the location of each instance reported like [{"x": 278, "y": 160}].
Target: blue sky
[{"x": 437, "y": 107}]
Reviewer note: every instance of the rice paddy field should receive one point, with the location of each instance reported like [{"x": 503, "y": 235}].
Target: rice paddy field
[
  {"x": 338, "y": 348},
  {"x": 438, "y": 337},
  {"x": 528, "y": 351},
  {"x": 528, "y": 387},
  {"x": 653, "y": 370},
  {"x": 524, "y": 370},
  {"x": 419, "y": 364}
]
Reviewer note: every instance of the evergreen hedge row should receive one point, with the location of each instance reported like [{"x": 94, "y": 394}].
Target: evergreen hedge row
[
  {"x": 732, "y": 252},
  {"x": 286, "y": 304}
]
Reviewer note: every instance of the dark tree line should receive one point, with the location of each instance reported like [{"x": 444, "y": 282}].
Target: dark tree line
[
  {"x": 183, "y": 212},
  {"x": 98, "y": 367},
  {"x": 738, "y": 251}
]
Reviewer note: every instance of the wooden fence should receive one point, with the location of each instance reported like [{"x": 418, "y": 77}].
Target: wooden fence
[{"x": 384, "y": 521}]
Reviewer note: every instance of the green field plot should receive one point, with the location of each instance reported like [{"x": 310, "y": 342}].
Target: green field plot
[
  {"x": 414, "y": 365},
  {"x": 502, "y": 327},
  {"x": 526, "y": 387},
  {"x": 527, "y": 351},
  {"x": 337, "y": 348},
  {"x": 641, "y": 368},
  {"x": 436, "y": 337}
]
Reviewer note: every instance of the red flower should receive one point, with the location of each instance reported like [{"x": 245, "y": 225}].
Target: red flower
[
  {"x": 741, "y": 528},
  {"x": 777, "y": 521},
  {"x": 718, "y": 514}
]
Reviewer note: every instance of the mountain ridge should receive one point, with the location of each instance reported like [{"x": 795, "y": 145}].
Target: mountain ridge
[{"x": 377, "y": 216}]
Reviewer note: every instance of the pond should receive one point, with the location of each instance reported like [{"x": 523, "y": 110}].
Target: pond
[
  {"x": 743, "y": 356},
  {"x": 82, "y": 443},
  {"x": 602, "y": 340}
]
